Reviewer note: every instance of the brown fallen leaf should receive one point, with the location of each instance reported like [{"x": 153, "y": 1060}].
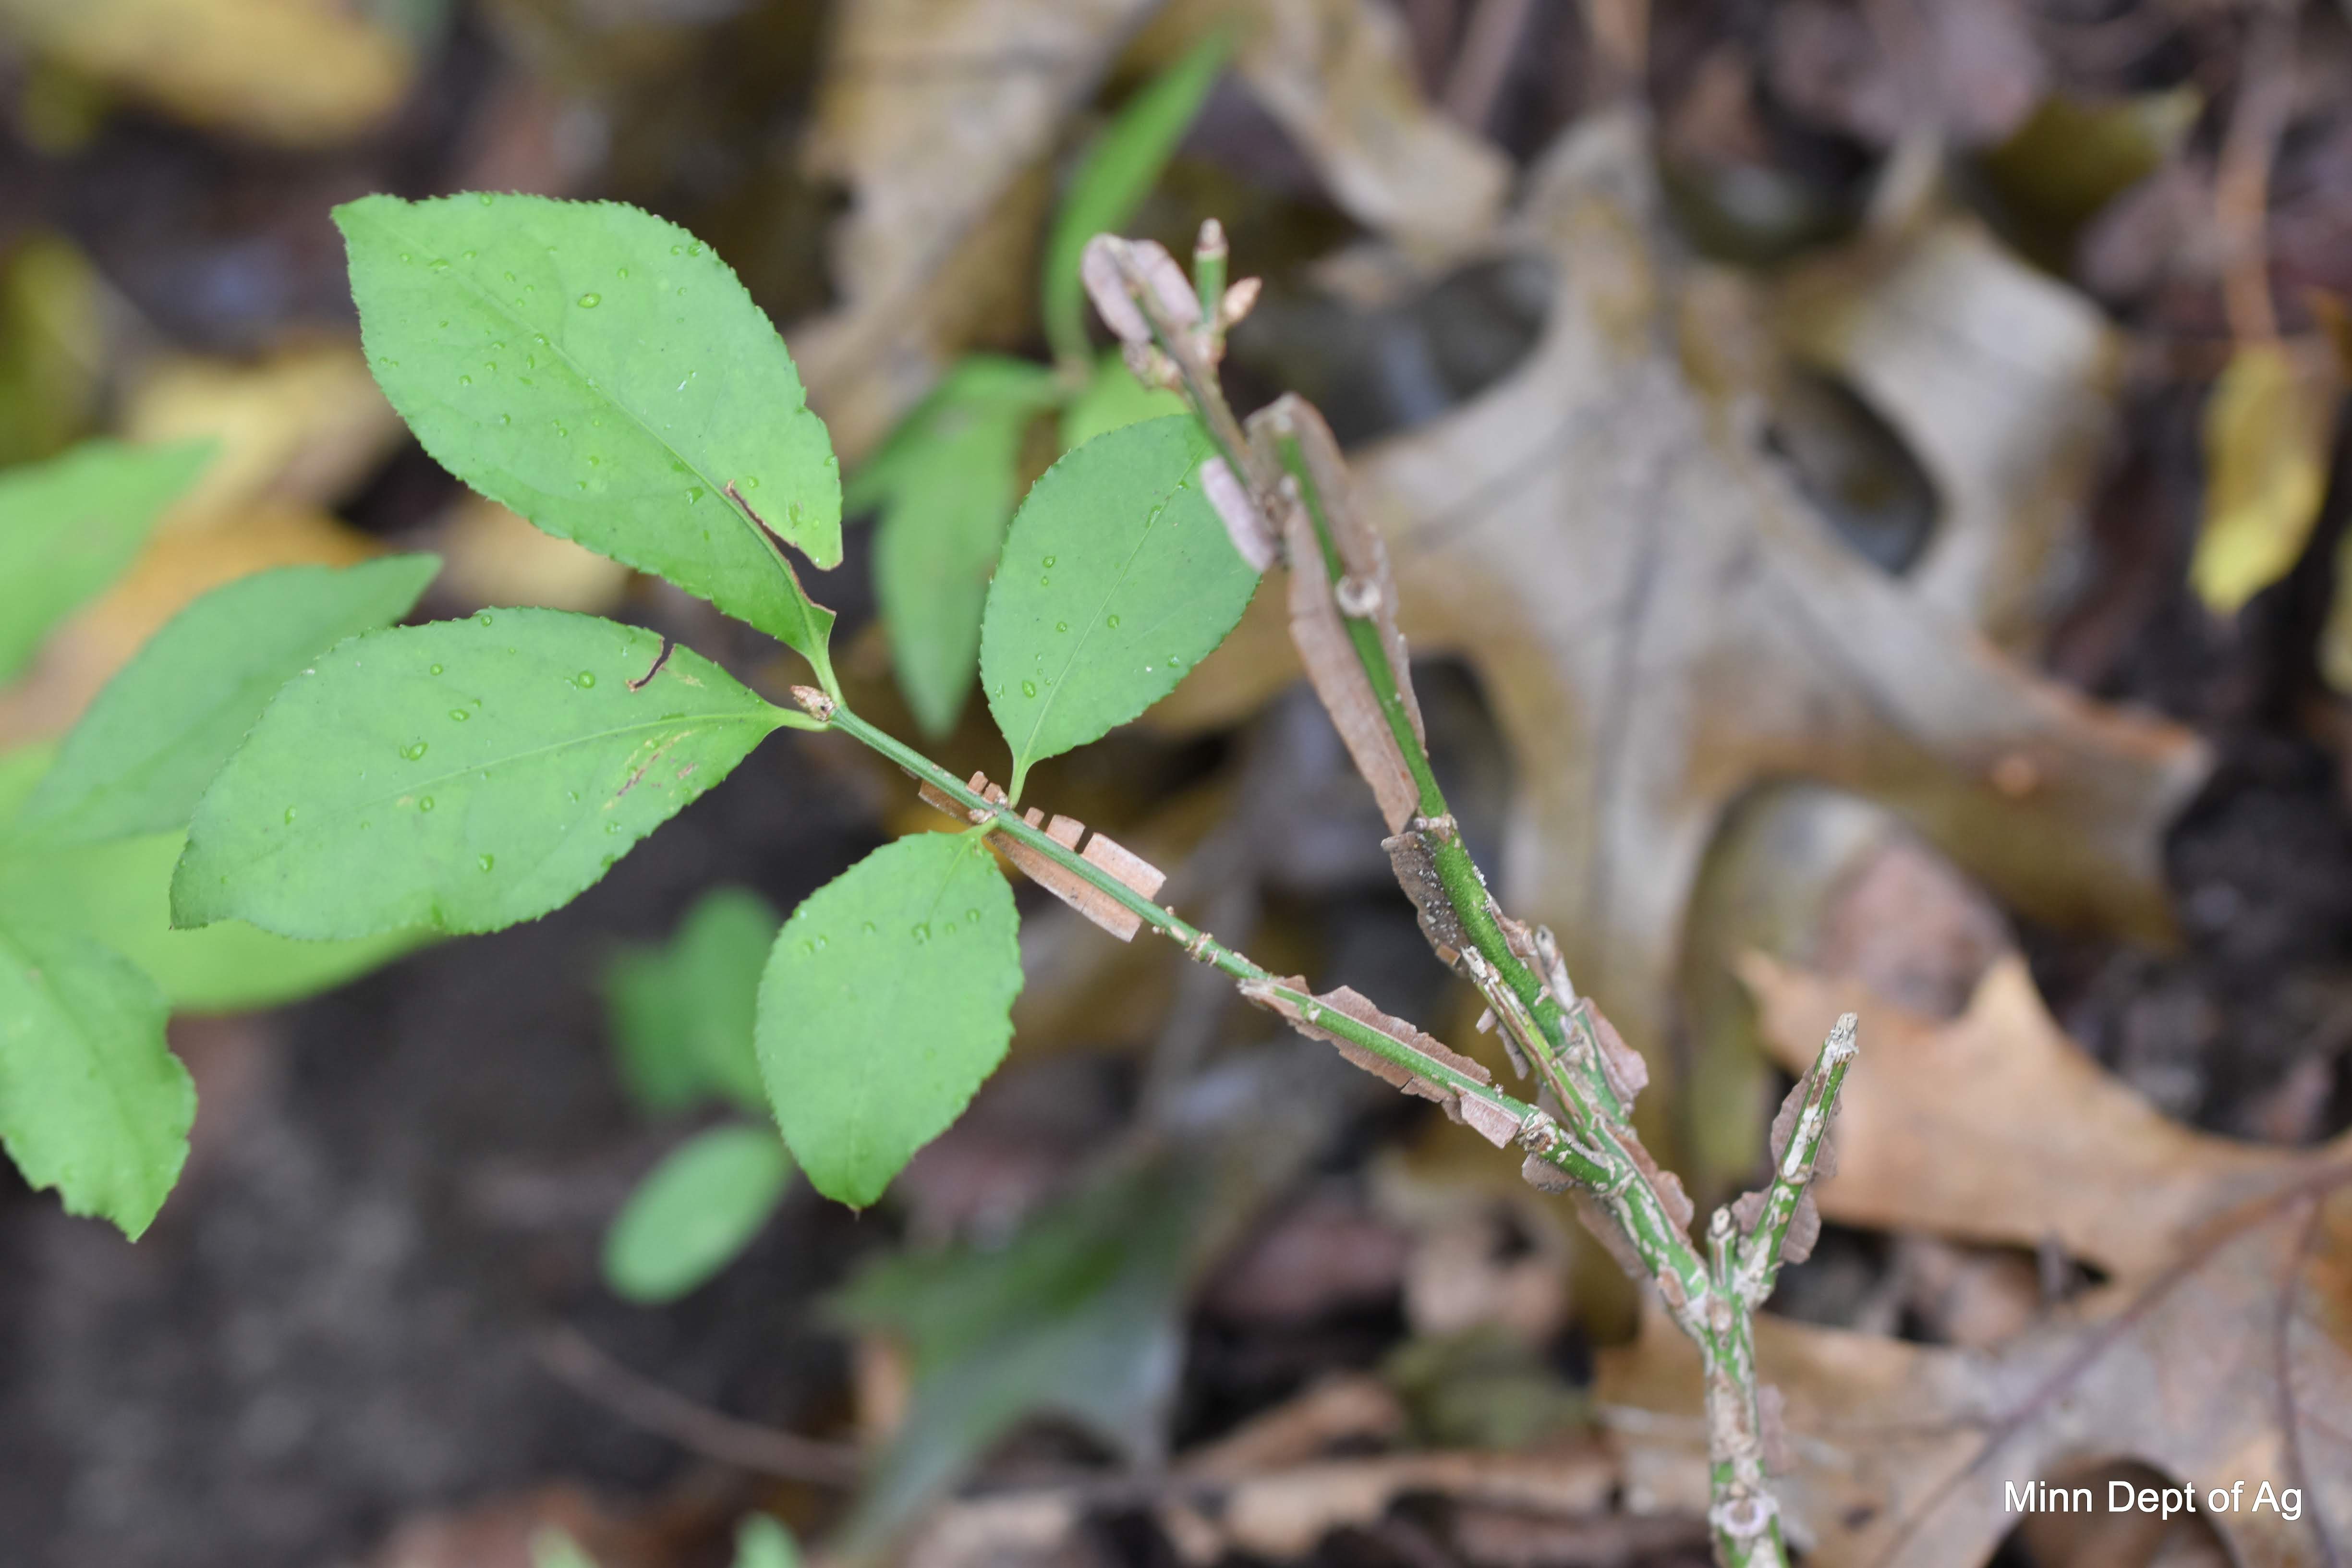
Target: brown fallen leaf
[
  {"x": 939, "y": 115},
  {"x": 1660, "y": 623},
  {"x": 2220, "y": 1352},
  {"x": 933, "y": 112},
  {"x": 299, "y": 73},
  {"x": 1285, "y": 1514},
  {"x": 2002, "y": 382},
  {"x": 1338, "y": 76}
]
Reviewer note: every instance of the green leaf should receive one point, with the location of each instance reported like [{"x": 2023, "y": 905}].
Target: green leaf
[
  {"x": 682, "y": 1013},
  {"x": 92, "y": 1102},
  {"x": 975, "y": 379},
  {"x": 949, "y": 491},
  {"x": 1117, "y": 578},
  {"x": 1080, "y": 1314},
  {"x": 141, "y": 757},
  {"x": 462, "y": 775},
  {"x": 762, "y": 1542},
  {"x": 119, "y": 894},
  {"x": 603, "y": 373},
  {"x": 886, "y": 1003},
  {"x": 1118, "y": 172},
  {"x": 695, "y": 1212},
  {"x": 69, "y": 526},
  {"x": 1113, "y": 398}
]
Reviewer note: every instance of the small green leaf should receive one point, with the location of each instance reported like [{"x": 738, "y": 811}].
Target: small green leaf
[
  {"x": 887, "y": 1000},
  {"x": 462, "y": 775},
  {"x": 1118, "y": 172},
  {"x": 762, "y": 1542},
  {"x": 69, "y": 526},
  {"x": 603, "y": 373},
  {"x": 141, "y": 757},
  {"x": 92, "y": 1102},
  {"x": 1113, "y": 398},
  {"x": 950, "y": 488},
  {"x": 1117, "y": 578},
  {"x": 682, "y": 1013},
  {"x": 695, "y": 1212},
  {"x": 975, "y": 379}
]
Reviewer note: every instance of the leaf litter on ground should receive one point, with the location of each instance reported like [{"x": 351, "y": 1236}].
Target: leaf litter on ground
[{"x": 2218, "y": 1350}]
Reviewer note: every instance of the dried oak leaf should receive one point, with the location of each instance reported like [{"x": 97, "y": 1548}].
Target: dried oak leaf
[
  {"x": 1662, "y": 623},
  {"x": 2000, "y": 381},
  {"x": 1338, "y": 76},
  {"x": 2220, "y": 1352}
]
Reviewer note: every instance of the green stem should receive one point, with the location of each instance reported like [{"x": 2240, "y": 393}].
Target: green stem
[
  {"x": 1208, "y": 277},
  {"x": 1203, "y": 948},
  {"x": 1457, "y": 871},
  {"x": 1597, "y": 1116},
  {"x": 1713, "y": 1298},
  {"x": 1758, "y": 1267},
  {"x": 1743, "y": 1516}
]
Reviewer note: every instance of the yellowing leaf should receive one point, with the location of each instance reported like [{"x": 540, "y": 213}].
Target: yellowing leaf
[
  {"x": 2336, "y": 638},
  {"x": 2072, "y": 155},
  {"x": 51, "y": 346},
  {"x": 2267, "y": 433},
  {"x": 307, "y": 424},
  {"x": 298, "y": 73}
]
